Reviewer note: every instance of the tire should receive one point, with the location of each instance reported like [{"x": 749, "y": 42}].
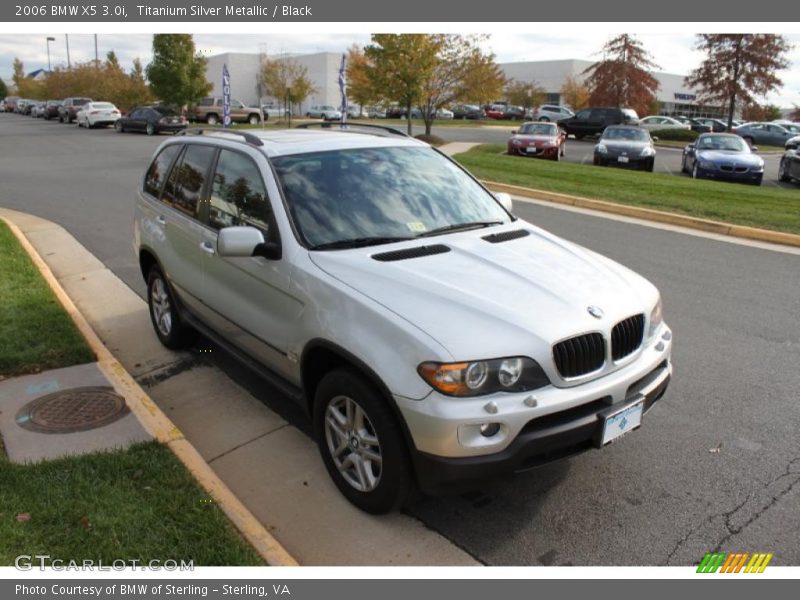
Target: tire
[
  {"x": 164, "y": 316},
  {"x": 544, "y": 119},
  {"x": 650, "y": 165},
  {"x": 60, "y": 119},
  {"x": 118, "y": 127},
  {"x": 212, "y": 119},
  {"x": 564, "y": 149},
  {"x": 557, "y": 155},
  {"x": 696, "y": 172},
  {"x": 598, "y": 162},
  {"x": 353, "y": 423},
  {"x": 783, "y": 172},
  {"x": 253, "y": 120},
  {"x": 150, "y": 129},
  {"x": 683, "y": 164},
  {"x": 757, "y": 181}
]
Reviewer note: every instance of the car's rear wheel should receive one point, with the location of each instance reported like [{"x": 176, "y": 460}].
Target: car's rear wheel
[
  {"x": 150, "y": 129},
  {"x": 254, "y": 120},
  {"x": 163, "y": 312},
  {"x": 118, "y": 127},
  {"x": 544, "y": 119},
  {"x": 361, "y": 443},
  {"x": 212, "y": 119}
]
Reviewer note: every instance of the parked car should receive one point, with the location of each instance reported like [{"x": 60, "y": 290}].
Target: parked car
[
  {"x": 540, "y": 139},
  {"x": 698, "y": 127},
  {"x": 626, "y": 146},
  {"x": 50, "y": 110},
  {"x": 766, "y": 134},
  {"x": 722, "y": 156},
  {"x": 36, "y": 109},
  {"x": 792, "y": 143},
  {"x": 514, "y": 113},
  {"x": 468, "y": 111},
  {"x": 97, "y": 114},
  {"x": 494, "y": 111},
  {"x": 273, "y": 111},
  {"x": 593, "y": 121},
  {"x": 446, "y": 375},
  {"x": 396, "y": 112},
  {"x": 551, "y": 112},
  {"x": 355, "y": 112},
  {"x": 210, "y": 110},
  {"x": 789, "y": 167},
  {"x": 325, "y": 112},
  {"x": 11, "y": 103},
  {"x": 69, "y": 109},
  {"x": 151, "y": 120},
  {"x": 654, "y": 123},
  {"x": 3, "y": 105},
  {"x": 23, "y": 106},
  {"x": 376, "y": 112},
  {"x": 716, "y": 125},
  {"x": 444, "y": 113}
]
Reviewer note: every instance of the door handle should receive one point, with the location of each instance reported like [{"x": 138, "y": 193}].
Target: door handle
[
  {"x": 207, "y": 247},
  {"x": 161, "y": 220}
]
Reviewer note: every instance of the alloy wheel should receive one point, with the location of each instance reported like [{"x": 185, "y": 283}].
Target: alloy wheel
[
  {"x": 162, "y": 308},
  {"x": 353, "y": 443}
]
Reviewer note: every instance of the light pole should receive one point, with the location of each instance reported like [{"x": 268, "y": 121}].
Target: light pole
[
  {"x": 66, "y": 37},
  {"x": 49, "y": 39}
]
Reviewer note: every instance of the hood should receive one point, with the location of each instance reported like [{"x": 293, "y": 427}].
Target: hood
[
  {"x": 729, "y": 156},
  {"x": 624, "y": 145},
  {"x": 536, "y": 139},
  {"x": 485, "y": 300}
]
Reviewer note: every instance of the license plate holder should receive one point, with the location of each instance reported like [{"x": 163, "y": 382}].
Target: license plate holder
[
  {"x": 619, "y": 422},
  {"x": 622, "y": 159}
]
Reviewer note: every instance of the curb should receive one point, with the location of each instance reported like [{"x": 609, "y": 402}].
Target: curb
[
  {"x": 157, "y": 424},
  {"x": 649, "y": 214}
]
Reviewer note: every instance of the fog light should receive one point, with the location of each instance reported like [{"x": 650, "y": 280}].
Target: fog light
[{"x": 489, "y": 429}]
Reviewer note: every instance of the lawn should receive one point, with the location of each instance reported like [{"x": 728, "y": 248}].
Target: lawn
[
  {"x": 766, "y": 207},
  {"x": 135, "y": 504},
  {"x": 35, "y": 332}
]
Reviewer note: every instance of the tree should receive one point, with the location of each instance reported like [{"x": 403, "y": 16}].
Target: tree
[
  {"x": 738, "y": 67},
  {"x": 26, "y": 87},
  {"x": 360, "y": 88},
  {"x": 401, "y": 65},
  {"x": 574, "y": 93},
  {"x": 760, "y": 112},
  {"x": 623, "y": 77},
  {"x": 177, "y": 73},
  {"x": 523, "y": 93},
  {"x": 795, "y": 114},
  {"x": 283, "y": 77},
  {"x": 3, "y": 89}
]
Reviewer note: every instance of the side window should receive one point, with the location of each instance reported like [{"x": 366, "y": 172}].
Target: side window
[
  {"x": 236, "y": 104},
  {"x": 584, "y": 114},
  {"x": 238, "y": 195},
  {"x": 157, "y": 173},
  {"x": 185, "y": 183},
  {"x": 206, "y": 102}
]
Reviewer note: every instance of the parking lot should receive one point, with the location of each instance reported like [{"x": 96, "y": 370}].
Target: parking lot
[{"x": 716, "y": 464}]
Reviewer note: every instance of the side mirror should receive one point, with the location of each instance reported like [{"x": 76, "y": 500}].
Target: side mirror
[
  {"x": 690, "y": 147},
  {"x": 505, "y": 201},
  {"x": 239, "y": 242}
]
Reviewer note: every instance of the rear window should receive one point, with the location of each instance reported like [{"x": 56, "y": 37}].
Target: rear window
[
  {"x": 81, "y": 101},
  {"x": 154, "y": 180},
  {"x": 163, "y": 110},
  {"x": 206, "y": 102},
  {"x": 187, "y": 179},
  {"x": 103, "y": 105}
]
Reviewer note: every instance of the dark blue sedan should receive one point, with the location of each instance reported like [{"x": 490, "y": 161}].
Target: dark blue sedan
[{"x": 722, "y": 156}]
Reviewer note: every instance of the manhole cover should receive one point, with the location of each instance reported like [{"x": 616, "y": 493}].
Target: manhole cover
[{"x": 76, "y": 409}]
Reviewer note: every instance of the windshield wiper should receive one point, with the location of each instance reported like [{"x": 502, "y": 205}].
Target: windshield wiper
[
  {"x": 459, "y": 227},
  {"x": 359, "y": 242}
]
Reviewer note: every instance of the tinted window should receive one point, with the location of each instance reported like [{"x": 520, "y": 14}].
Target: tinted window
[
  {"x": 238, "y": 196},
  {"x": 584, "y": 114},
  {"x": 164, "y": 110},
  {"x": 157, "y": 172},
  {"x": 599, "y": 113},
  {"x": 185, "y": 183},
  {"x": 206, "y": 102}
]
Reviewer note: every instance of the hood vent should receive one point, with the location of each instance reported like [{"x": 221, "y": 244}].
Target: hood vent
[
  {"x": 505, "y": 236},
  {"x": 407, "y": 253}
]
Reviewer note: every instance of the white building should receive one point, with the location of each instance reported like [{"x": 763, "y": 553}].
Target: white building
[
  {"x": 244, "y": 68},
  {"x": 675, "y": 97}
]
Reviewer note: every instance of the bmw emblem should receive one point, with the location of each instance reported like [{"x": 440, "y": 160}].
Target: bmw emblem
[{"x": 595, "y": 311}]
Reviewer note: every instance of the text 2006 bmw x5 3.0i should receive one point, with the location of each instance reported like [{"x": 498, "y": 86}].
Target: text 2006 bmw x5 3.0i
[{"x": 433, "y": 337}]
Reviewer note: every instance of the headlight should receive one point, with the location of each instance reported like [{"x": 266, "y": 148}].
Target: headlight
[
  {"x": 476, "y": 378},
  {"x": 758, "y": 168},
  {"x": 648, "y": 151},
  {"x": 656, "y": 318},
  {"x": 706, "y": 164},
  {"x": 601, "y": 148},
  {"x": 516, "y": 142}
]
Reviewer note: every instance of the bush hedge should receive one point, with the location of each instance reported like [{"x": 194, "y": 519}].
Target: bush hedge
[{"x": 678, "y": 135}]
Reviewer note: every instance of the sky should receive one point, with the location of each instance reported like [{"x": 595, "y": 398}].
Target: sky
[{"x": 673, "y": 53}]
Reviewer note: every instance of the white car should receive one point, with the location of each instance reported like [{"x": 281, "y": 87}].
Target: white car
[
  {"x": 326, "y": 112},
  {"x": 550, "y": 112},
  {"x": 443, "y": 113},
  {"x": 432, "y": 336},
  {"x": 658, "y": 122},
  {"x": 95, "y": 114}
]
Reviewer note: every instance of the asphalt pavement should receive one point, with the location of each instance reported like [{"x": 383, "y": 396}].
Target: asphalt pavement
[{"x": 716, "y": 464}]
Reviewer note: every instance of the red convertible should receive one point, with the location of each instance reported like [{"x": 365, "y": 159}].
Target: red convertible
[{"x": 545, "y": 140}]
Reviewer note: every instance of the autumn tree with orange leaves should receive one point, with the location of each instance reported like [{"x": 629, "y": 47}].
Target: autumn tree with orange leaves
[
  {"x": 623, "y": 77},
  {"x": 738, "y": 67}
]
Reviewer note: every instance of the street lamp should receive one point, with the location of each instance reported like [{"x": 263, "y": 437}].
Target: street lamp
[{"x": 49, "y": 39}]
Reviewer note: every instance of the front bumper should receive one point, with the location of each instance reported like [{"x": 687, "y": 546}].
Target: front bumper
[
  {"x": 730, "y": 175},
  {"x": 636, "y": 161},
  {"x": 535, "y": 428}
]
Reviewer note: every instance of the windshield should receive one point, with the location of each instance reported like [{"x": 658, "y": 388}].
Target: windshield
[
  {"x": 722, "y": 142},
  {"x": 538, "y": 129},
  {"x": 631, "y": 135},
  {"x": 398, "y": 192},
  {"x": 103, "y": 105}
]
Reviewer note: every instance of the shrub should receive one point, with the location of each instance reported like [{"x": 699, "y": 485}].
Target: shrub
[
  {"x": 433, "y": 140},
  {"x": 678, "y": 135}
]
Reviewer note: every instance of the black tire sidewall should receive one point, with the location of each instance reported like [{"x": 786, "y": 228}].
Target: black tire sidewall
[
  {"x": 178, "y": 335},
  {"x": 396, "y": 478}
]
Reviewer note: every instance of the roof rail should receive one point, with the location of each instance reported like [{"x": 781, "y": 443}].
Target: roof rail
[
  {"x": 249, "y": 138},
  {"x": 348, "y": 126}
]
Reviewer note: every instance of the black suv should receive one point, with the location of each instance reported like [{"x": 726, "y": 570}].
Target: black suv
[
  {"x": 593, "y": 121},
  {"x": 69, "y": 108}
]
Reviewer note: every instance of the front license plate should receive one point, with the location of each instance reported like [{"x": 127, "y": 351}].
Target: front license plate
[
  {"x": 532, "y": 150},
  {"x": 622, "y": 422},
  {"x": 622, "y": 159}
]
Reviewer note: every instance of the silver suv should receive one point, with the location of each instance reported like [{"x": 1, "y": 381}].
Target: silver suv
[
  {"x": 551, "y": 112},
  {"x": 433, "y": 337}
]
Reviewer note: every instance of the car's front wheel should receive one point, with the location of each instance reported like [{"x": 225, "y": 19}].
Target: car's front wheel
[
  {"x": 163, "y": 312},
  {"x": 783, "y": 171},
  {"x": 253, "y": 120},
  {"x": 361, "y": 443},
  {"x": 150, "y": 129},
  {"x": 118, "y": 127}
]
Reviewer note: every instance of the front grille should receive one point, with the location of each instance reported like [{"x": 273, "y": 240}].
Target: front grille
[
  {"x": 580, "y": 355},
  {"x": 627, "y": 336},
  {"x": 731, "y": 169}
]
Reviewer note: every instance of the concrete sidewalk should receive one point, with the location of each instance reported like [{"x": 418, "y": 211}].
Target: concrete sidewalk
[{"x": 271, "y": 466}]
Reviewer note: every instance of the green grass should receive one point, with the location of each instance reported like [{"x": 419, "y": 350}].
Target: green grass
[
  {"x": 35, "y": 332},
  {"x": 140, "y": 503},
  {"x": 766, "y": 207}
]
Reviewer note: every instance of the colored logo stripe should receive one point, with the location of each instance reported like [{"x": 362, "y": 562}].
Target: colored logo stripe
[{"x": 734, "y": 562}]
